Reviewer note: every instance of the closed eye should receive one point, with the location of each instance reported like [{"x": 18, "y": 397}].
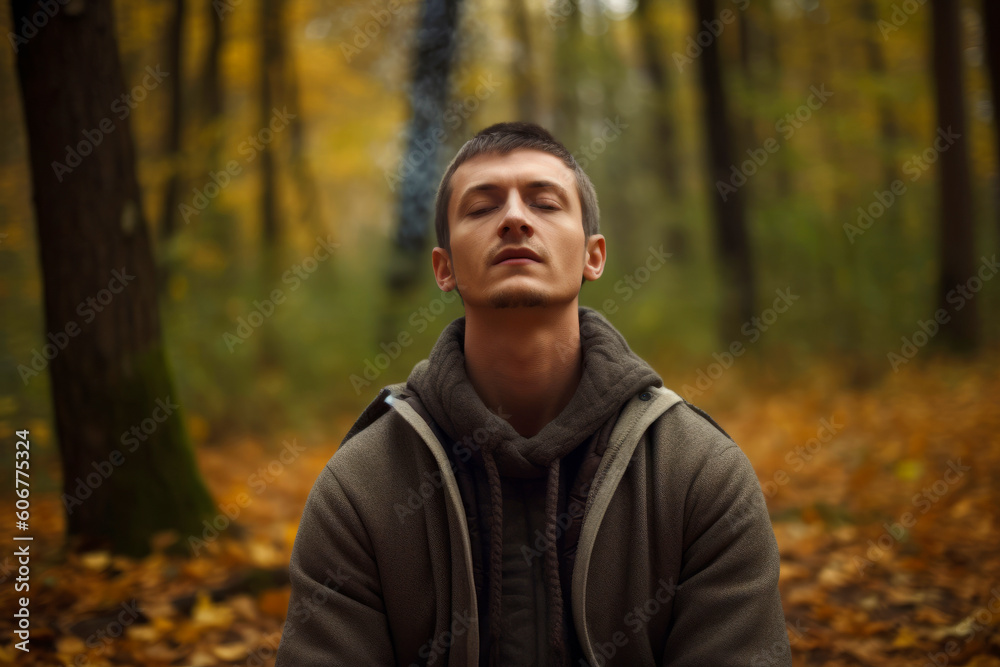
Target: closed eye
[{"x": 543, "y": 206}]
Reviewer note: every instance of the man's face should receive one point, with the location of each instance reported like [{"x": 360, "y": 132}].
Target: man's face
[{"x": 516, "y": 229}]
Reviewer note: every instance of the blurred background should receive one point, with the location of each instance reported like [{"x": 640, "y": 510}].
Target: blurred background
[{"x": 215, "y": 234}]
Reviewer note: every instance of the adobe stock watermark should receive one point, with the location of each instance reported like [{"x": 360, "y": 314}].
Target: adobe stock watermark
[
  {"x": 224, "y": 7},
  {"x": 365, "y": 35},
  {"x": 298, "y": 613},
  {"x": 636, "y": 619},
  {"x": 979, "y": 620},
  {"x": 928, "y": 329},
  {"x": 30, "y": 25},
  {"x": 86, "y": 309},
  {"x": 798, "y": 458},
  {"x": 455, "y": 114},
  {"x": 418, "y": 320},
  {"x": 557, "y": 11},
  {"x": 632, "y": 282},
  {"x": 249, "y": 149},
  {"x": 121, "y": 107},
  {"x": 609, "y": 132},
  {"x": 574, "y": 512},
  {"x": 432, "y": 481},
  {"x": 777, "y": 653},
  {"x": 258, "y": 482},
  {"x": 103, "y": 637},
  {"x": 713, "y": 29},
  {"x": 132, "y": 438},
  {"x": 437, "y": 646},
  {"x": 753, "y": 329},
  {"x": 295, "y": 276},
  {"x": 626, "y": 286},
  {"x": 743, "y": 514},
  {"x": 786, "y": 127},
  {"x": 901, "y": 14},
  {"x": 923, "y": 502},
  {"x": 914, "y": 167}
]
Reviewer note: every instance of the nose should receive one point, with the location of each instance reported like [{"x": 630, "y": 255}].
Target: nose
[{"x": 514, "y": 221}]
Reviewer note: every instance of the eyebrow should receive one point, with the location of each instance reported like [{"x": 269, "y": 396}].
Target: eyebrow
[{"x": 533, "y": 185}]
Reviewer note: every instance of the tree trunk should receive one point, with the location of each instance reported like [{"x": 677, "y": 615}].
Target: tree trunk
[
  {"x": 280, "y": 89},
  {"x": 522, "y": 66},
  {"x": 564, "y": 19},
  {"x": 729, "y": 207},
  {"x": 956, "y": 242},
  {"x": 428, "y": 95},
  {"x": 769, "y": 31},
  {"x": 175, "y": 88},
  {"x": 271, "y": 59},
  {"x": 991, "y": 22},
  {"x": 888, "y": 126},
  {"x": 749, "y": 84},
  {"x": 664, "y": 123},
  {"x": 128, "y": 468},
  {"x": 217, "y": 227},
  {"x": 305, "y": 180},
  {"x": 211, "y": 82}
]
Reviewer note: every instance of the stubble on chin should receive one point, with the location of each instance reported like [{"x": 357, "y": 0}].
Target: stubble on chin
[{"x": 508, "y": 298}]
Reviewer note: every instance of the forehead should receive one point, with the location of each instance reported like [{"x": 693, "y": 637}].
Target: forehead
[{"x": 517, "y": 168}]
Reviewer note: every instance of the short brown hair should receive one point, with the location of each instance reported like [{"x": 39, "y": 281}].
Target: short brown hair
[{"x": 501, "y": 139}]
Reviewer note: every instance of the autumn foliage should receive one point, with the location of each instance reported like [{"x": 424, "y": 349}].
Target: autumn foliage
[{"x": 884, "y": 501}]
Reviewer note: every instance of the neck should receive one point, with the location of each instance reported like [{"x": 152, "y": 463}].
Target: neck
[{"x": 526, "y": 361}]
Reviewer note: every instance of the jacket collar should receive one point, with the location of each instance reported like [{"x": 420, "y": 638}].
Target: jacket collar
[{"x": 636, "y": 417}]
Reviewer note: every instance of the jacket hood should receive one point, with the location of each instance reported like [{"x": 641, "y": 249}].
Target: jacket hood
[{"x": 612, "y": 374}]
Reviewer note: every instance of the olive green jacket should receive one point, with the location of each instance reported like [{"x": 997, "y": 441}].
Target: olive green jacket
[{"x": 676, "y": 564}]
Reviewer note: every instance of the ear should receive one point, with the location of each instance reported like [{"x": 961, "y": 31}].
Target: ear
[
  {"x": 595, "y": 257},
  {"x": 444, "y": 272}
]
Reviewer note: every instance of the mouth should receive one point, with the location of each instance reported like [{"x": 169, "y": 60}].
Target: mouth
[{"x": 513, "y": 256}]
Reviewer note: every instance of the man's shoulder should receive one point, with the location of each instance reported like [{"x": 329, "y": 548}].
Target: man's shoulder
[
  {"x": 695, "y": 456},
  {"x": 699, "y": 416},
  {"x": 377, "y": 435},
  {"x": 686, "y": 431},
  {"x": 378, "y": 407}
]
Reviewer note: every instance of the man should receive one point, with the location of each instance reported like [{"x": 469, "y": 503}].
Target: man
[{"x": 532, "y": 495}]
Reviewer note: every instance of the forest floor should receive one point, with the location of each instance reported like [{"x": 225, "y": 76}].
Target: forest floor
[{"x": 884, "y": 501}]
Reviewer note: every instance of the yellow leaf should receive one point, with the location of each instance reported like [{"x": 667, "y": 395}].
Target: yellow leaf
[
  {"x": 200, "y": 659},
  {"x": 143, "y": 633},
  {"x": 909, "y": 470},
  {"x": 905, "y": 639},
  {"x": 231, "y": 652},
  {"x": 96, "y": 560},
  {"x": 209, "y": 615},
  {"x": 963, "y": 628},
  {"x": 70, "y": 644}
]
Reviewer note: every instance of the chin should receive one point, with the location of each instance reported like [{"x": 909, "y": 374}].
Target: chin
[{"x": 518, "y": 298}]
